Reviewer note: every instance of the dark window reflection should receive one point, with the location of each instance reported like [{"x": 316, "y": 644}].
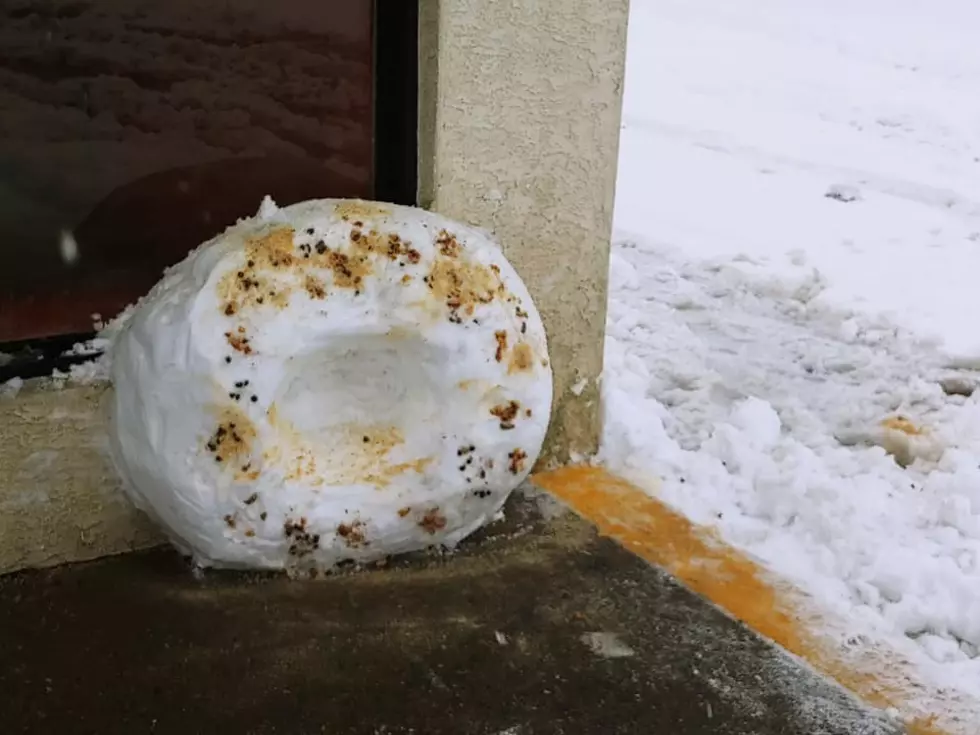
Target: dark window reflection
[{"x": 143, "y": 127}]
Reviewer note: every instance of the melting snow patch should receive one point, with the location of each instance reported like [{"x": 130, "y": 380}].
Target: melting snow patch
[
  {"x": 11, "y": 388},
  {"x": 607, "y": 645}
]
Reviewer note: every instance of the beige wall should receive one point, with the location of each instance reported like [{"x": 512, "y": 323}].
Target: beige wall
[
  {"x": 59, "y": 497},
  {"x": 519, "y": 123}
]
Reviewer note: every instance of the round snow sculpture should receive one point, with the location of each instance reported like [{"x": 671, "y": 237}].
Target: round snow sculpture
[{"x": 333, "y": 380}]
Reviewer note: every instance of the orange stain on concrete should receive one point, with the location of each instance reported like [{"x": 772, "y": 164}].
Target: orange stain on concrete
[{"x": 698, "y": 558}]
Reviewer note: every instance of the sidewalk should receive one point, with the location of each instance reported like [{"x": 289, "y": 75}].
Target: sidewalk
[{"x": 538, "y": 626}]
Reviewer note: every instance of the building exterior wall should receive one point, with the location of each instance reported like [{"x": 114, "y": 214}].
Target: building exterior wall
[
  {"x": 519, "y": 134},
  {"x": 60, "y": 500},
  {"x": 519, "y": 126}
]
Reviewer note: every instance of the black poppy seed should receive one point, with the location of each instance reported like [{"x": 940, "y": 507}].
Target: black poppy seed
[
  {"x": 251, "y": 498},
  {"x": 212, "y": 447},
  {"x": 254, "y": 399},
  {"x": 263, "y": 515},
  {"x": 366, "y": 439},
  {"x": 469, "y": 461},
  {"x": 241, "y": 274},
  {"x": 218, "y": 458},
  {"x": 523, "y": 327},
  {"x": 483, "y": 474},
  {"x": 239, "y": 384},
  {"x": 258, "y": 300},
  {"x": 251, "y": 263},
  {"x": 309, "y": 230},
  {"x": 462, "y": 468},
  {"x": 321, "y": 248},
  {"x": 227, "y": 359}
]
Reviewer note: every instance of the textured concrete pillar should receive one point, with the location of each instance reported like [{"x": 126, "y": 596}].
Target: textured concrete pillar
[{"x": 519, "y": 132}]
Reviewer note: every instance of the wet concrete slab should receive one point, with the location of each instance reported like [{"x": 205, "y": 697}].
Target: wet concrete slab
[{"x": 536, "y": 626}]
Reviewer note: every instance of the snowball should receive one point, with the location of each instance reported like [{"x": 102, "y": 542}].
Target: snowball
[{"x": 328, "y": 381}]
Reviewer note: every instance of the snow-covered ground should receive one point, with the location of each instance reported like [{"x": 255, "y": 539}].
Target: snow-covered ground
[{"x": 798, "y": 261}]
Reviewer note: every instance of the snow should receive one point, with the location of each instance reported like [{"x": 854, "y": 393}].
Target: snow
[
  {"x": 11, "y": 388},
  {"x": 791, "y": 337},
  {"x": 739, "y": 118},
  {"x": 68, "y": 247},
  {"x": 332, "y": 381}
]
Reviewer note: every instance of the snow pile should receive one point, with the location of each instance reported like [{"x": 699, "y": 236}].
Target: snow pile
[
  {"x": 791, "y": 327},
  {"x": 737, "y": 397},
  {"x": 335, "y": 380},
  {"x": 11, "y": 388},
  {"x": 86, "y": 372},
  {"x": 99, "y": 368}
]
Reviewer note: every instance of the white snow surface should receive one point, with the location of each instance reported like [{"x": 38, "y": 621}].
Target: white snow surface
[{"x": 797, "y": 255}]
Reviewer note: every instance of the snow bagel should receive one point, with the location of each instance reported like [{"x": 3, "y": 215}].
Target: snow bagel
[{"x": 334, "y": 380}]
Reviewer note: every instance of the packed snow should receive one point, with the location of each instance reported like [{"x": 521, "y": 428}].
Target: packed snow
[
  {"x": 375, "y": 376},
  {"x": 791, "y": 346}
]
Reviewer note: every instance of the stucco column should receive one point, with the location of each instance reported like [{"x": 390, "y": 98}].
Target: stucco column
[{"x": 519, "y": 133}]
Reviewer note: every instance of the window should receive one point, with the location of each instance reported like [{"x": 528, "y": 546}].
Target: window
[{"x": 133, "y": 130}]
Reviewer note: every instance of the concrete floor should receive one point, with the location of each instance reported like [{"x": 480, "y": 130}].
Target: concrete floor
[{"x": 537, "y": 626}]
